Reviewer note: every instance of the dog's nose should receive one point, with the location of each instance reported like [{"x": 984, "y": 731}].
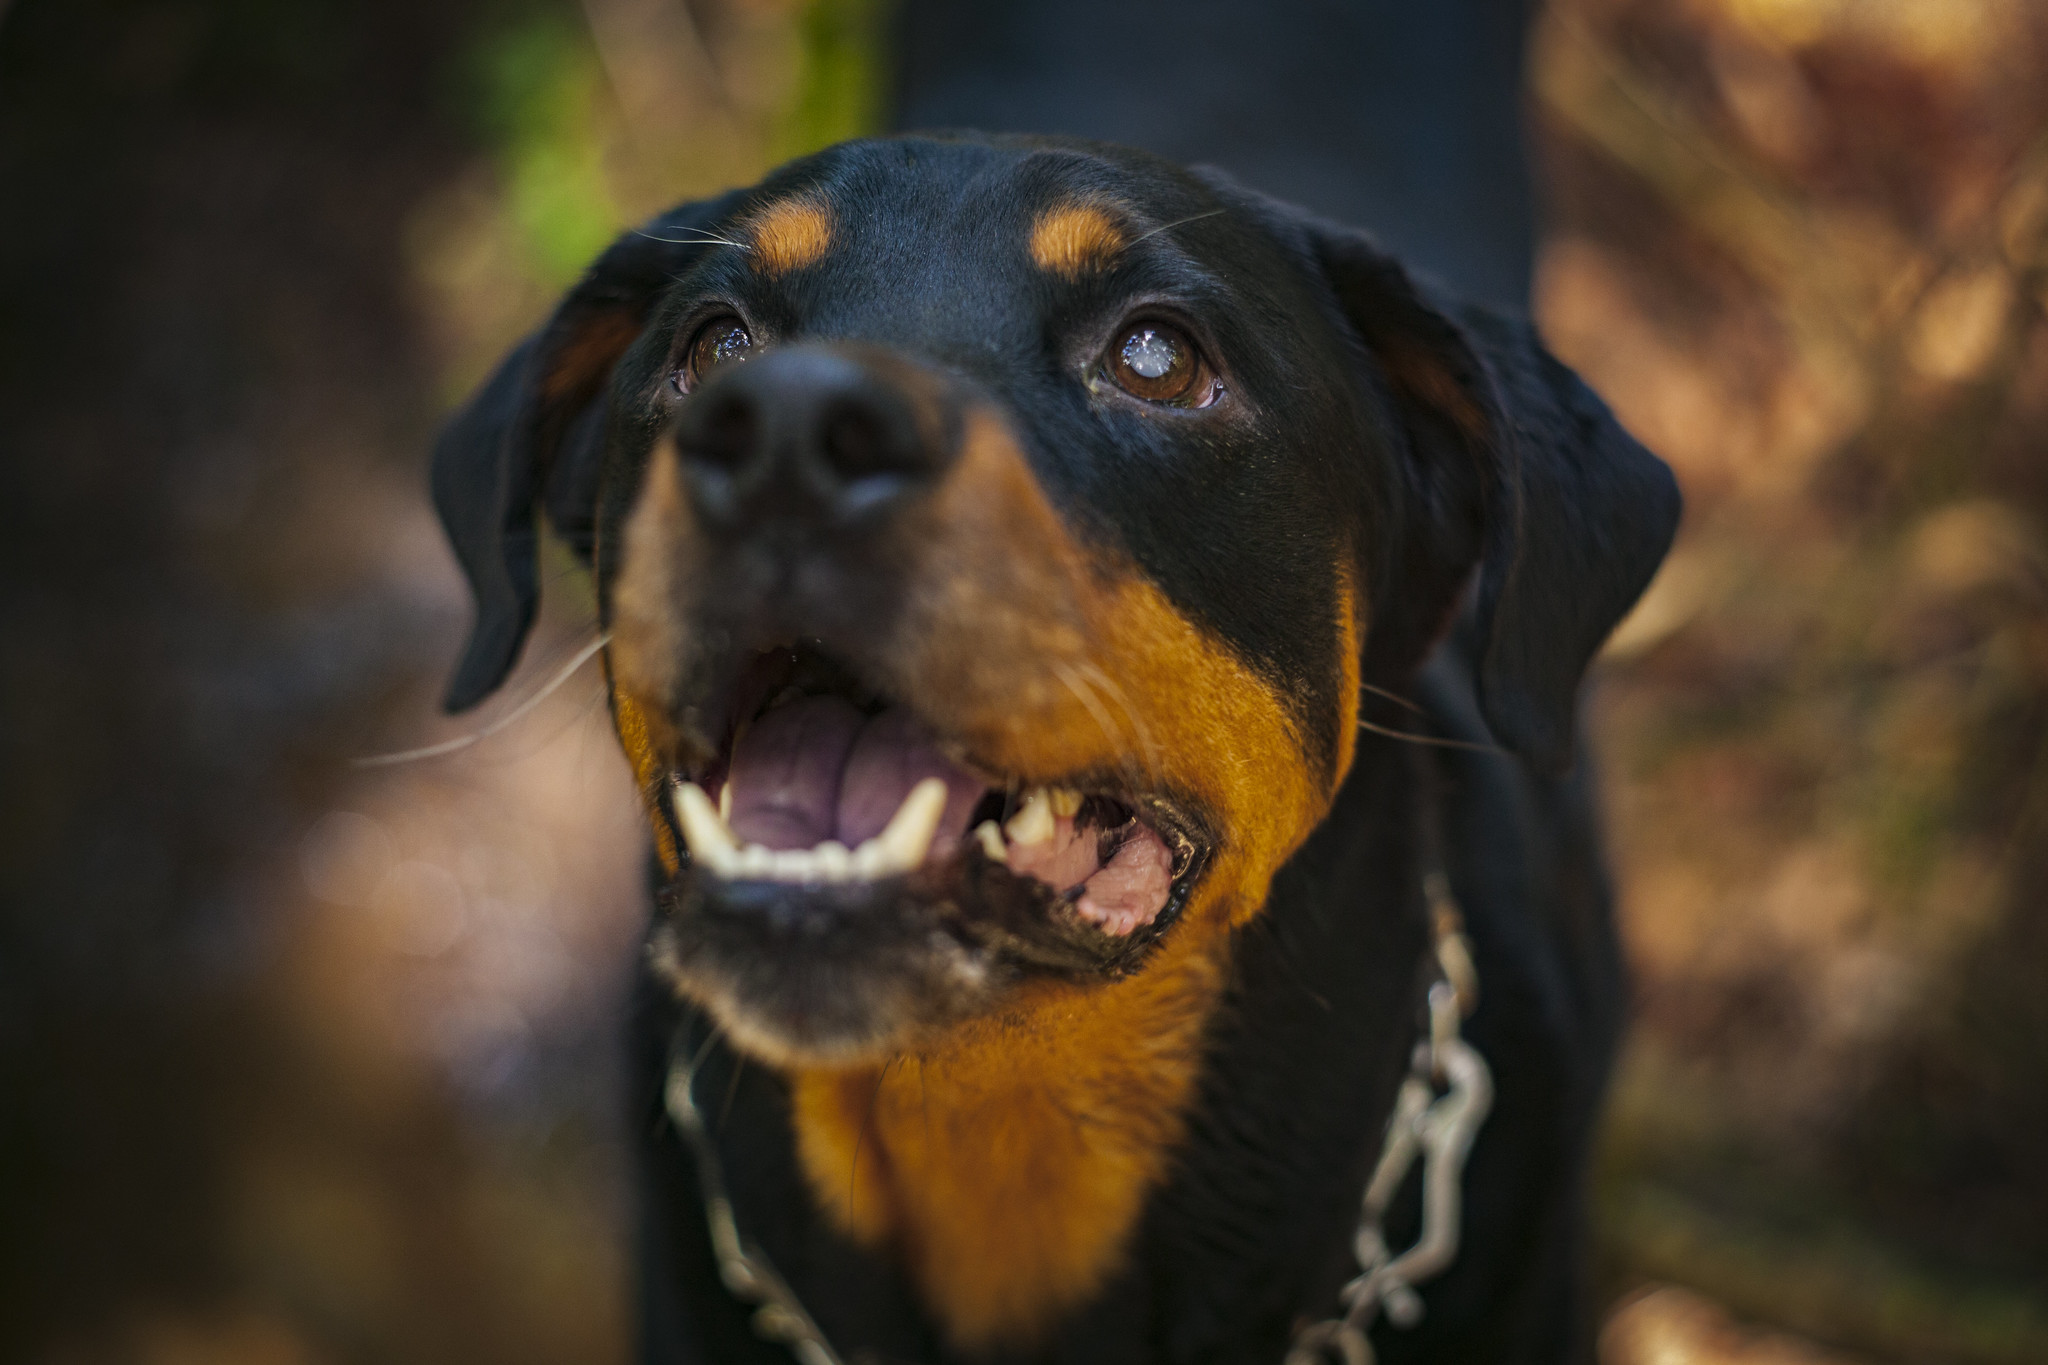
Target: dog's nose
[{"x": 810, "y": 434}]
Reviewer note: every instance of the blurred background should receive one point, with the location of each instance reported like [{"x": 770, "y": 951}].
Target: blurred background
[{"x": 303, "y": 1062}]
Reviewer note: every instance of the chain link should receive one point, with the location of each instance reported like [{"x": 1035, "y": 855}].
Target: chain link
[
  {"x": 744, "y": 1268},
  {"x": 1438, "y": 1128}
]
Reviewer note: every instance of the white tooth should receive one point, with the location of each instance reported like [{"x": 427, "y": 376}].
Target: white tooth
[
  {"x": 755, "y": 861},
  {"x": 869, "y": 861},
  {"x": 1066, "y": 801},
  {"x": 792, "y": 865},
  {"x": 1033, "y": 823},
  {"x": 908, "y": 836},
  {"x": 725, "y": 803},
  {"x": 710, "y": 840},
  {"x": 992, "y": 842},
  {"x": 833, "y": 862}
]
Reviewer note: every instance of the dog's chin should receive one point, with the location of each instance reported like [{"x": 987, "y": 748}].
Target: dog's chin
[
  {"x": 845, "y": 973},
  {"x": 823, "y": 978}
]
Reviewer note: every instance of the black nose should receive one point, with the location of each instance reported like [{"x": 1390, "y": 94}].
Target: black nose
[{"x": 811, "y": 433}]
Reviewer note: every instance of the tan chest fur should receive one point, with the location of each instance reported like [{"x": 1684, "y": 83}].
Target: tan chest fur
[{"x": 1008, "y": 1170}]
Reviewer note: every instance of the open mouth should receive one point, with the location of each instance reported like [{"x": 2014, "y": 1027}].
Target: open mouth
[{"x": 823, "y": 784}]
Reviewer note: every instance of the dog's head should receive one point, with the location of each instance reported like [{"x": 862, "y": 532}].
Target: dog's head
[{"x": 994, "y": 536}]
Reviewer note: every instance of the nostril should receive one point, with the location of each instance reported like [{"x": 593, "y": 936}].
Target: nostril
[
  {"x": 858, "y": 443},
  {"x": 725, "y": 438},
  {"x": 808, "y": 434}
]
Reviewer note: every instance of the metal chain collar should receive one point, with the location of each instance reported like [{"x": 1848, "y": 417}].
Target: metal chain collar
[
  {"x": 1438, "y": 1128},
  {"x": 748, "y": 1274}
]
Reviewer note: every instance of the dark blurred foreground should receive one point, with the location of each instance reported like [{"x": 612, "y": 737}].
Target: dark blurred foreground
[{"x": 301, "y": 1062}]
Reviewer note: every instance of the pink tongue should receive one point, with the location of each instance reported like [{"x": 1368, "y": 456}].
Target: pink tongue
[
  {"x": 1132, "y": 887},
  {"x": 1062, "y": 862},
  {"x": 785, "y": 772},
  {"x": 1121, "y": 895},
  {"x": 892, "y": 755},
  {"x": 817, "y": 769}
]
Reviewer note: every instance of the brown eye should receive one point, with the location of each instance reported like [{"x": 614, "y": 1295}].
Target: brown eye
[
  {"x": 717, "y": 341},
  {"x": 1157, "y": 362}
]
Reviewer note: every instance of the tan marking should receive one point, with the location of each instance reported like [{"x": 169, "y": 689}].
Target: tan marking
[
  {"x": 1071, "y": 239},
  {"x": 575, "y": 368},
  {"x": 649, "y": 772},
  {"x": 1423, "y": 377},
  {"x": 648, "y": 608},
  {"x": 1009, "y": 1159},
  {"x": 789, "y": 235},
  {"x": 1045, "y": 660},
  {"x": 1006, "y": 1209},
  {"x": 577, "y": 364},
  {"x": 1350, "y": 661}
]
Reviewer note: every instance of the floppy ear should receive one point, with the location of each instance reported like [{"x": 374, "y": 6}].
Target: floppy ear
[
  {"x": 532, "y": 439},
  {"x": 1515, "y": 468}
]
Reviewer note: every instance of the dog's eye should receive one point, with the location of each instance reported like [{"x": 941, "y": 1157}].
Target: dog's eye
[
  {"x": 717, "y": 341},
  {"x": 1158, "y": 363}
]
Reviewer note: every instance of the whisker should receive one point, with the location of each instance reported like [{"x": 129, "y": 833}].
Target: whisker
[
  {"x": 1395, "y": 697},
  {"x": 1138, "y": 726},
  {"x": 1435, "y": 740},
  {"x": 1178, "y": 222},
  {"x": 1089, "y": 702},
  {"x": 573, "y": 720},
  {"x": 701, "y": 239},
  {"x": 518, "y": 712}
]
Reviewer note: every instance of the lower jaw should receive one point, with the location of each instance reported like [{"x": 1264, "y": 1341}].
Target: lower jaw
[
  {"x": 855, "y": 973},
  {"x": 823, "y": 985}
]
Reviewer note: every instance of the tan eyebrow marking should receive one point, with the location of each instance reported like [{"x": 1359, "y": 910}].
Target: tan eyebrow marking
[
  {"x": 1069, "y": 239},
  {"x": 790, "y": 235}
]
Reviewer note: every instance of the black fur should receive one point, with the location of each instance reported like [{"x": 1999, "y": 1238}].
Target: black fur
[
  {"x": 515, "y": 449},
  {"x": 1499, "y": 522},
  {"x": 1253, "y": 1233}
]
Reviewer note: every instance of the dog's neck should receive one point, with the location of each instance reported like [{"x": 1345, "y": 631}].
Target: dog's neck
[{"x": 1010, "y": 1168}]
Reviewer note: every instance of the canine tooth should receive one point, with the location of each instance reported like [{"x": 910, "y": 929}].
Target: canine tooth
[
  {"x": 869, "y": 861},
  {"x": 1066, "y": 801},
  {"x": 908, "y": 835},
  {"x": 725, "y": 802},
  {"x": 708, "y": 836},
  {"x": 834, "y": 863},
  {"x": 1033, "y": 823},
  {"x": 991, "y": 839}
]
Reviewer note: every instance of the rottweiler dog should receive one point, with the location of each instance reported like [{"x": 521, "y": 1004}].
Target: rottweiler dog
[{"x": 1031, "y": 572}]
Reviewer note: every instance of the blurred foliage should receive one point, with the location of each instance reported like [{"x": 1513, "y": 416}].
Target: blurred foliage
[
  {"x": 841, "y": 80},
  {"x": 535, "y": 89},
  {"x": 600, "y": 116},
  {"x": 307, "y": 1063},
  {"x": 1802, "y": 246}
]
